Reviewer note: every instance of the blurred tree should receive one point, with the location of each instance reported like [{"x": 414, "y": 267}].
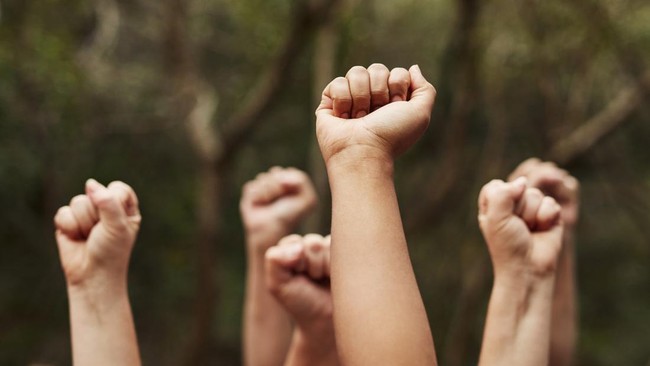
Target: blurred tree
[{"x": 186, "y": 100}]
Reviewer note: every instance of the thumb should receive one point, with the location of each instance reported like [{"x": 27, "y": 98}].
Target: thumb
[
  {"x": 111, "y": 212},
  {"x": 497, "y": 199},
  {"x": 422, "y": 92}
]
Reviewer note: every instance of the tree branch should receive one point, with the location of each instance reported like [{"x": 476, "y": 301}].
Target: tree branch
[
  {"x": 91, "y": 56},
  {"x": 309, "y": 16},
  {"x": 601, "y": 125}
]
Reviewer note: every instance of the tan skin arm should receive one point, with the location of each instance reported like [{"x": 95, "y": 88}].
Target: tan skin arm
[
  {"x": 559, "y": 184},
  {"x": 364, "y": 121},
  {"x": 298, "y": 272},
  {"x": 272, "y": 206},
  {"x": 523, "y": 231},
  {"x": 95, "y": 235}
]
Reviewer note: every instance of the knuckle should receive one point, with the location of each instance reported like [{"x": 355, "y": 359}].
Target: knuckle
[
  {"x": 289, "y": 239},
  {"x": 356, "y": 70},
  {"x": 378, "y": 66},
  {"x": 78, "y": 200}
]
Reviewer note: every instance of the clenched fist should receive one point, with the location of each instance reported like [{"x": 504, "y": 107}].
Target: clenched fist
[
  {"x": 522, "y": 227},
  {"x": 374, "y": 112},
  {"x": 273, "y": 204},
  {"x": 96, "y": 232},
  {"x": 297, "y": 274},
  {"x": 554, "y": 182}
]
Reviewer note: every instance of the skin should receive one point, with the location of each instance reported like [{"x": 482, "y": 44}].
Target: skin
[
  {"x": 272, "y": 206},
  {"x": 297, "y": 274},
  {"x": 95, "y": 234},
  {"x": 364, "y": 121},
  {"x": 565, "y": 189},
  {"x": 523, "y": 231}
]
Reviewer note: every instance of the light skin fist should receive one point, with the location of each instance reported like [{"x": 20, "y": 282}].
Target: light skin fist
[
  {"x": 297, "y": 274},
  {"x": 554, "y": 182},
  {"x": 521, "y": 226},
  {"x": 376, "y": 111},
  {"x": 96, "y": 232},
  {"x": 274, "y": 203}
]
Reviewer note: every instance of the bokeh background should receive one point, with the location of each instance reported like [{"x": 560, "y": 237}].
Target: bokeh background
[{"x": 187, "y": 99}]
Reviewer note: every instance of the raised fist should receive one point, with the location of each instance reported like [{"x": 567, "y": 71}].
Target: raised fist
[
  {"x": 521, "y": 226},
  {"x": 297, "y": 274},
  {"x": 378, "y": 111},
  {"x": 273, "y": 204},
  {"x": 95, "y": 233},
  {"x": 554, "y": 182}
]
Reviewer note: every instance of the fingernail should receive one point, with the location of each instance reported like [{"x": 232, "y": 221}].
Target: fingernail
[
  {"x": 361, "y": 114},
  {"x": 416, "y": 67},
  {"x": 345, "y": 115},
  {"x": 396, "y": 98}
]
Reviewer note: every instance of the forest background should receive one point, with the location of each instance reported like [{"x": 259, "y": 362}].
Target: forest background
[{"x": 187, "y": 99}]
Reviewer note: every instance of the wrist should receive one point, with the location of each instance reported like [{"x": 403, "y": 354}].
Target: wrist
[
  {"x": 309, "y": 348},
  {"x": 100, "y": 289},
  {"x": 518, "y": 291},
  {"x": 361, "y": 158}
]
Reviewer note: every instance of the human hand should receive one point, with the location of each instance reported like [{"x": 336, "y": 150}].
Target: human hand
[
  {"x": 96, "y": 232},
  {"x": 374, "y": 112},
  {"x": 522, "y": 228},
  {"x": 554, "y": 182},
  {"x": 297, "y": 274},
  {"x": 273, "y": 204}
]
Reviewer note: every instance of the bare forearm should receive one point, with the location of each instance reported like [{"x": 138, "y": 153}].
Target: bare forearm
[
  {"x": 103, "y": 332},
  {"x": 517, "y": 327},
  {"x": 319, "y": 350},
  {"x": 379, "y": 314},
  {"x": 267, "y": 326},
  {"x": 565, "y": 318}
]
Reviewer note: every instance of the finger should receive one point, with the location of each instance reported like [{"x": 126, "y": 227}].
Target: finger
[
  {"x": 359, "y": 82},
  {"x": 548, "y": 214},
  {"x": 297, "y": 182},
  {"x": 546, "y": 177},
  {"x": 572, "y": 185},
  {"x": 126, "y": 196},
  {"x": 92, "y": 186},
  {"x": 111, "y": 212},
  {"x": 66, "y": 223},
  {"x": 339, "y": 91},
  {"x": 280, "y": 262},
  {"x": 272, "y": 189},
  {"x": 497, "y": 199},
  {"x": 261, "y": 189},
  {"x": 275, "y": 169},
  {"x": 247, "y": 194},
  {"x": 314, "y": 254},
  {"x": 399, "y": 82},
  {"x": 256, "y": 191},
  {"x": 291, "y": 178},
  {"x": 423, "y": 93},
  {"x": 84, "y": 212},
  {"x": 379, "y": 92},
  {"x": 292, "y": 241},
  {"x": 528, "y": 206}
]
